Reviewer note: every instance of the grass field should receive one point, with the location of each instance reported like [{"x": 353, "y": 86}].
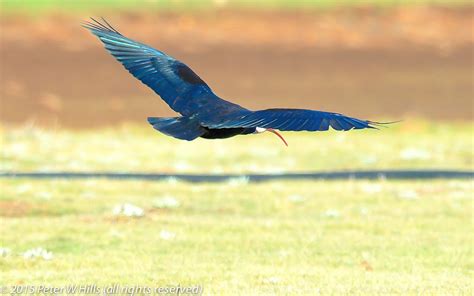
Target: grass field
[
  {"x": 379, "y": 237},
  {"x": 339, "y": 237},
  {"x": 40, "y": 6},
  {"x": 409, "y": 144},
  {"x": 286, "y": 238}
]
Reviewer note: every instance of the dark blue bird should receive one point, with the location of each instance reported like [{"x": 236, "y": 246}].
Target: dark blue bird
[{"x": 204, "y": 114}]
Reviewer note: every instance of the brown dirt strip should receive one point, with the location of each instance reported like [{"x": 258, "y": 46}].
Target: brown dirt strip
[{"x": 377, "y": 64}]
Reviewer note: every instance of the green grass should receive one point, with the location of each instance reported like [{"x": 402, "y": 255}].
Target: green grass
[
  {"x": 361, "y": 238},
  {"x": 406, "y": 145},
  {"x": 41, "y": 6},
  {"x": 357, "y": 237}
]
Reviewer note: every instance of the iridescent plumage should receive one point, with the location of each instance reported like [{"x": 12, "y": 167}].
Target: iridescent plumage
[{"x": 204, "y": 114}]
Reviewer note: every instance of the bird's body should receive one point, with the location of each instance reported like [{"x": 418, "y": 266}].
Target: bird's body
[
  {"x": 223, "y": 133},
  {"x": 204, "y": 114}
]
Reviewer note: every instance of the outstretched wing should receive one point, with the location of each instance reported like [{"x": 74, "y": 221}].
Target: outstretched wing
[
  {"x": 293, "y": 120},
  {"x": 175, "y": 82}
]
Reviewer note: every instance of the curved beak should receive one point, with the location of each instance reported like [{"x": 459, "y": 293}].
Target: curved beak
[{"x": 278, "y": 135}]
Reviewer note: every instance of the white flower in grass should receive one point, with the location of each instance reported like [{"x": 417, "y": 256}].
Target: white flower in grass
[
  {"x": 340, "y": 138},
  {"x": 24, "y": 188},
  {"x": 17, "y": 150},
  {"x": 134, "y": 163},
  {"x": 182, "y": 166},
  {"x": 371, "y": 188},
  {"x": 364, "y": 211},
  {"x": 116, "y": 233},
  {"x": 38, "y": 253},
  {"x": 88, "y": 195},
  {"x": 217, "y": 170},
  {"x": 198, "y": 188},
  {"x": 254, "y": 167},
  {"x": 45, "y": 195},
  {"x": 368, "y": 159},
  {"x": 128, "y": 210},
  {"x": 4, "y": 252},
  {"x": 265, "y": 152},
  {"x": 167, "y": 235},
  {"x": 172, "y": 180},
  {"x": 296, "y": 198},
  {"x": 290, "y": 162},
  {"x": 268, "y": 223},
  {"x": 366, "y": 256},
  {"x": 283, "y": 253},
  {"x": 408, "y": 194},
  {"x": 461, "y": 185},
  {"x": 7, "y": 166},
  {"x": 460, "y": 195},
  {"x": 166, "y": 202},
  {"x": 236, "y": 181},
  {"x": 272, "y": 280},
  {"x": 332, "y": 213},
  {"x": 274, "y": 170},
  {"x": 414, "y": 154}
]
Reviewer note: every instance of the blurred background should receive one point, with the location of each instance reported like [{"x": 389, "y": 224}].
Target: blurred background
[
  {"x": 68, "y": 106},
  {"x": 65, "y": 100},
  {"x": 370, "y": 59}
]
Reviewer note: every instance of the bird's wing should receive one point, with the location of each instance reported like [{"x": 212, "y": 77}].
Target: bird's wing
[
  {"x": 293, "y": 120},
  {"x": 182, "y": 89}
]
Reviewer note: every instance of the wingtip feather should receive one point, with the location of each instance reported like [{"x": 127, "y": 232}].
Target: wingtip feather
[
  {"x": 376, "y": 124},
  {"x": 97, "y": 26}
]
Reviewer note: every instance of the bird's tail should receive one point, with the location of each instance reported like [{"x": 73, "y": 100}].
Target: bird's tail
[{"x": 182, "y": 128}]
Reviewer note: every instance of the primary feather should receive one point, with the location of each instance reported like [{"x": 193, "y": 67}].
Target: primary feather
[
  {"x": 182, "y": 89},
  {"x": 292, "y": 120}
]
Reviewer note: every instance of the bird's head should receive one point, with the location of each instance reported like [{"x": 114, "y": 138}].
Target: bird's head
[{"x": 260, "y": 130}]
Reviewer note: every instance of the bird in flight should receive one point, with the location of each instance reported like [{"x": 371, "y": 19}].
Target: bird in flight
[{"x": 203, "y": 113}]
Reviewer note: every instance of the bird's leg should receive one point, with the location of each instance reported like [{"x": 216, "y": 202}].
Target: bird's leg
[{"x": 278, "y": 135}]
